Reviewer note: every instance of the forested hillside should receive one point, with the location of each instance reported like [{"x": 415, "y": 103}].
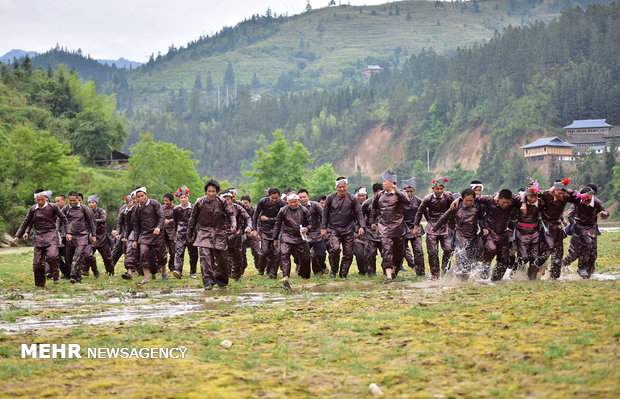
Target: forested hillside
[{"x": 525, "y": 82}]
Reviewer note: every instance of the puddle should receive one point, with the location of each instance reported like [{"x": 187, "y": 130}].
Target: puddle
[{"x": 138, "y": 305}]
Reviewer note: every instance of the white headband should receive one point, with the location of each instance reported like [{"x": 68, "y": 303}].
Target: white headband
[
  {"x": 292, "y": 196},
  {"x": 46, "y": 194},
  {"x": 362, "y": 191},
  {"x": 472, "y": 186},
  {"x": 341, "y": 181},
  {"x": 143, "y": 189}
]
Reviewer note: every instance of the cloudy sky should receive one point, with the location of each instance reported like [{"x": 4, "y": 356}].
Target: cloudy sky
[{"x": 133, "y": 29}]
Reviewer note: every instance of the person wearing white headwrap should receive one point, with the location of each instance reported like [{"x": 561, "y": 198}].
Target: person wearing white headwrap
[
  {"x": 128, "y": 237},
  {"x": 79, "y": 242},
  {"x": 315, "y": 241},
  {"x": 42, "y": 216},
  {"x": 292, "y": 224},
  {"x": 340, "y": 213},
  {"x": 477, "y": 186}
]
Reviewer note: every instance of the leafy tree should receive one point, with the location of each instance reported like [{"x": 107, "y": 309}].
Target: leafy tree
[
  {"x": 162, "y": 168},
  {"x": 279, "y": 165},
  {"x": 321, "y": 180},
  {"x": 308, "y": 6},
  {"x": 229, "y": 75}
]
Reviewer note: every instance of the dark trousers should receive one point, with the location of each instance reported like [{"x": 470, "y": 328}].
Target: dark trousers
[
  {"x": 64, "y": 267},
  {"x": 335, "y": 240},
  {"x": 583, "y": 249},
  {"x": 269, "y": 258},
  {"x": 432, "y": 247},
  {"x": 371, "y": 249},
  {"x": 214, "y": 266},
  {"x": 106, "y": 254},
  {"x": 79, "y": 254},
  {"x": 301, "y": 252},
  {"x": 254, "y": 244},
  {"x": 160, "y": 252},
  {"x": 118, "y": 250},
  {"x": 415, "y": 260},
  {"x": 393, "y": 252},
  {"x": 360, "y": 257},
  {"x": 179, "y": 255},
  {"x": 318, "y": 253},
  {"x": 41, "y": 256},
  {"x": 497, "y": 246}
]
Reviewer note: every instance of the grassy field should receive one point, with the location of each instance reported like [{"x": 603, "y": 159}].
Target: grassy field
[{"x": 413, "y": 338}]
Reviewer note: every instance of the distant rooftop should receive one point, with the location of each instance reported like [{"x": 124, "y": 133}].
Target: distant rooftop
[
  {"x": 586, "y": 123},
  {"x": 547, "y": 141},
  {"x": 377, "y": 67}
]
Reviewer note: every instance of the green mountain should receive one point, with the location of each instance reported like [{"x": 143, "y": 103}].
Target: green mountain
[{"x": 325, "y": 47}]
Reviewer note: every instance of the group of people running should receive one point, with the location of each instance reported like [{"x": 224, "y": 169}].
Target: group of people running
[{"x": 472, "y": 229}]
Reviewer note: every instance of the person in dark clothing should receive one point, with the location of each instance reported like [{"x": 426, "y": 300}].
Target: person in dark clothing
[
  {"x": 552, "y": 239},
  {"x": 235, "y": 239},
  {"x": 583, "y": 241},
  {"x": 415, "y": 260},
  {"x": 321, "y": 200},
  {"x": 43, "y": 216},
  {"x": 265, "y": 219},
  {"x": 119, "y": 247},
  {"x": 389, "y": 206},
  {"x": 103, "y": 242},
  {"x": 251, "y": 240},
  {"x": 466, "y": 218},
  {"x": 315, "y": 241},
  {"x": 340, "y": 213},
  {"x": 148, "y": 222},
  {"x": 477, "y": 186},
  {"x": 371, "y": 235},
  {"x": 65, "y": 269},
  {"x": 207, "y": 230},
  {"x": 83, "y": 235},
  {"x": 528, "y": 230},
  {"x": 359, "y": 243},
  {"x": 497, "y": 212},
  {"x": 128, "y": 236},
  {"x": 170, "y": 229},
  {"x": 292, "y": 225},
  {"x": 437, "y": 203},
  {"x": 181, "y": 216}
]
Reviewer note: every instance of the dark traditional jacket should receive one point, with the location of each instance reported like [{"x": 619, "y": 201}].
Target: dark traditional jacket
[
  {"x": 288, "y": 222},
  {"x": 390, "y": 210},
  {"x": 145, "y": 219},
  {"x": 44, "y": 221},
  {"x": 340, "y": 214},
  {"x": 209, "y": 220}
]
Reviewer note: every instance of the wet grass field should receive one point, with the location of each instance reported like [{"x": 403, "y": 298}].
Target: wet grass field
[{"x": 329, "y": 337}]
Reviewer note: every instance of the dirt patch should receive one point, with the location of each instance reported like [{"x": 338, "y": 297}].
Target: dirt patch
[
  {"x": 466, "y": 151},
  {"x": 369, "y": 153}
]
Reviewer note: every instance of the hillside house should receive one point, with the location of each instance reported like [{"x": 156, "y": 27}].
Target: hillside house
[
  {"x": 590, "y": 135},
  {"x": 371, "y": 70},
  {"x": 548, "y": 153}
]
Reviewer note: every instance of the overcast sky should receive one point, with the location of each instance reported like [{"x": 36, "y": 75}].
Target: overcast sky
[{"x": 133, "y": 29}]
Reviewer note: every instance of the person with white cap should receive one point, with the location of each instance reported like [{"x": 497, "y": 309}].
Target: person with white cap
[
  {"x": 42, "y": 216},
  {"x": 415, "y": 260},
  {"x": 433, "y": 206},
  {"x": 207, "y": 229},
  {"x": 83, "y": 235},
  {"x": 389, "y": 206},
  {"x": 340, "y": 215},
  {"x": 147, "y": 224},
  {"x": 292, "y": 225},
  {"x": 583, "y": 241},
  {"x": 359, "y": 244},
  {"x": 103, "y": 243},
  {"x": 127, "y": 235},
  {"x": 181, "y": 215}
]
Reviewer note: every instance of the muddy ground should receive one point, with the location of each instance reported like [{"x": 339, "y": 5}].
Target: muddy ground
[{"x": 413, "y": 338}]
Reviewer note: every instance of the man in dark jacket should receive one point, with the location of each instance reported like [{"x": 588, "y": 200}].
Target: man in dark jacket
[
  {"x": 264, "y": 221},
  {"x": 103, "y": 241},
  {"x": 181, "y": 215},
  {"x": 388, "y": 205},
  {"x": 371, "y": 235},
  {"x": 43, "y": 216},
  {"x": 251, "y": 240},
  {"x": 315, "y": 241},
  {"x": 415, "y": 256},
  {"x": 207, "y": 230},
  {"x": 359, "y": 243},
  {"x": 583, "y": 241},
  {"x": 148, "y": 222},
  {"x": 340, "y": 213},
  {"x": 83, "y": 235},
  {"x": 291, "y": 226},
  {"x": 235, "y": 239},
  {"x": 436, "y": 203},
  {"x": 170, "y": 229}
]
